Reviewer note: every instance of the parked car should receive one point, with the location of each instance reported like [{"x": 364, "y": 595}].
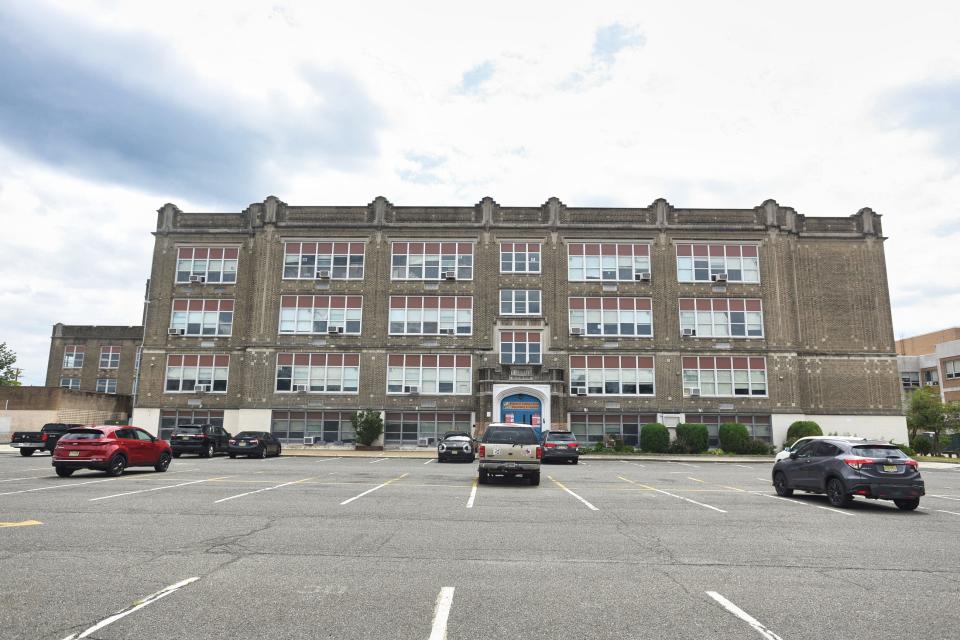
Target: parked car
[
  {"x": 560, "y": 445},
  {"x": 843, "y": 469},
  {"x": 456, "y": 445},
  {"x": 253, "y": 444},
  {"x": 110, "y": 448},
  {"x": 44, "y": 440},
  {"x": 783, "y": 455},
  {"x": 203, "y": 439},
  {"x": 510, "y": 450}
]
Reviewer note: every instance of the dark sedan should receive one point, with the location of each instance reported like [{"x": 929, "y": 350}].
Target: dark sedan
[
  {"x": 456, "y": 446},
  {"x": 253, "y": 444},
  {"x": 844, "y": 469},
  {"x": 561, "y": 445}
]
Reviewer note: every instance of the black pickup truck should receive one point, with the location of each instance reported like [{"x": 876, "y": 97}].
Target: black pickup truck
[{"x": 43, "y": 440}]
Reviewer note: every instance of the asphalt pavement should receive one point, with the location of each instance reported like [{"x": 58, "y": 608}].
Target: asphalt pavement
[{"x": 309, "y": 547}]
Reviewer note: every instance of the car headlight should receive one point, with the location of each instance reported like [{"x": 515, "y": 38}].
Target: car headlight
[
  {"x": 442, "y": 447},
  {"x": 466, "y": 448}
]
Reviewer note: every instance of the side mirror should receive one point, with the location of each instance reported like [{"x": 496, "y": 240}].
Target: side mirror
[{"x": 793, "y": 455}]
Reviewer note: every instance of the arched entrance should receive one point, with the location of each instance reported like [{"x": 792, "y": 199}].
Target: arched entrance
[{"x": 522, "y": 408}]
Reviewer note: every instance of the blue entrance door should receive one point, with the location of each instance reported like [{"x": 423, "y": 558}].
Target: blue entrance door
[{"x": 522, "y": 408}]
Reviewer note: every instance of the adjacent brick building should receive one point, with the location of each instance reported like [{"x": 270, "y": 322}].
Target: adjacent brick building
[
  {"x": 291, "y": 318},
  {"x": 94, "y": 358},
  {"x": 931, "y": 360}
]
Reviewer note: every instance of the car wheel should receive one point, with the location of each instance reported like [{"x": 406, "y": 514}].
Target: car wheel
[
  {"x": 64, "y": 472},
  {"x": 482, "y": 478},
  {"x": 208, "y": 453},
  {"x": 576, "y": 460},
  {"x": 176, "y": 455},
  {"x": 837, "y": 494},
  {"x": 117, "y": 464},
  {"x": 535, "y": 479},
  {"x": 780, "y": 484},
  {"x": 263, "y": 453},
  {"x": 162, "y": 463},
  {"x": 278, "y": 451},
  {"x": 907, "y": 504},
  {"x": 27, "y": 452},
  {"x": 233, "y": 456}
]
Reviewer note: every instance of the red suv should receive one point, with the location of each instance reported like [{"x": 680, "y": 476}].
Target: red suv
[{"x": 110, "y": 448}]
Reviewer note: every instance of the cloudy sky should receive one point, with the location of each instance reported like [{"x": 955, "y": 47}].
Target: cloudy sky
[{"x": 109, "y": 110}]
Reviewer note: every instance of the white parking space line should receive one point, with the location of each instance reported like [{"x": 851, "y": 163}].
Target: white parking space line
[
  {"x": 763, "y": 479},
  {"x": 589, "y": 506},
  {"x": 440, "y": 614},
  {"x": 379, "y": 486},
  {"x": 696, "y": 480},
  {"x": 169, "y": 486},
  {"x": 943, "y": 497},
  {"x": 250, "y": 493},
  {"x": 139, "y": 604},
  {"x": 953, "y": 513},
  {"x": 806, "y": 504},
  {"x": 23, "y": 478},
  {"x": 636, "y": 464},
  {"x": 473, "y": 494},
  {"x": 743, "y": 615},
  {"x": 377, "y": 460},
  {"x": 428, "y": 461},
  {"x": 696, "y": 466},
  {"x": 673, "y": 495},
  {"x": 56, "y": 486},
  {"x": 743, "y": 466}
]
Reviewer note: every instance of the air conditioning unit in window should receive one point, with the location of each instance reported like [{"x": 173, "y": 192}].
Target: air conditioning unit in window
[
  {"x": 579, "y": 391},
  {"x": 176, "y": 332},
  {"x": 643, "y": 276},
  {"x": 688, "y": 333},
  {"x": 412, "y": 390},
  {"x": 449, "y": 275},
  {"x": 200, "y": 279},
  {"x": 719, "y": 277},
  {"x": 308, "y": 440},
  {"x": 446, "y": 332},
  {"x": 576, "y": 331},
  {"x": 334, "y": 330},
  {"x": 323, "y": 275},
  {"x": 202, "y": 388},
  {"x": 694, "y": 392},
  {"x": 423, "y": 442},
  {"x": 299, "y": 388}
]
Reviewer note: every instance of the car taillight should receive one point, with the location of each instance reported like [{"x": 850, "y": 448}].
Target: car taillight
[
  {"x": 572, "y": 445},
  {"x": 539, "y": 452},
  {"x": 43, "y": 437},
  {"x": 483, "y": 451},
  {"x": 913, "y": 464},
  {"x": 254, "y": 441},
  {"x": 549, "y": 445},
  {"x": 233, "y": 442},
  {"x": 859, "y": 463}
]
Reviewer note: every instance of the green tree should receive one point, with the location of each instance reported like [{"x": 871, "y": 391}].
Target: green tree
[
  {"x": 8, "y": 374},
  {"x": 368, "y": 426},
  {"x": 926, "y": 413}
]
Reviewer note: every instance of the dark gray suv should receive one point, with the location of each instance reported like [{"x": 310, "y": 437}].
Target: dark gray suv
[{"x": 844, "y": 469}]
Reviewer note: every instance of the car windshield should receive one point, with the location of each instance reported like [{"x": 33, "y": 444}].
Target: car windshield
[
  {"x": 189, "y": 429},
  {"x": 566, "y": 437},
  {"x": 510, "y": 435},
  {"x": 54, "y": 427},
  {"x": 248, "y": 434},
  {"x": 874, "y": 451},
  {"x": 85, "y": 434}
]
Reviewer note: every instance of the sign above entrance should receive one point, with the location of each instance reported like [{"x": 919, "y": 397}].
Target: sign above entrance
[{"x": 519, "y": 405}]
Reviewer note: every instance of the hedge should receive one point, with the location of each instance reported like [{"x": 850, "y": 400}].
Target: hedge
[
  {"x": 735, "y": 438},
  {"x": 692, "y": 438},
  {"x": 802, "y": 429},
  {"x": 654, "y": 438}
]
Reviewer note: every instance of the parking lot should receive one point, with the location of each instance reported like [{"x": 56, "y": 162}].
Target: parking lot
[{"x": 313, "y": 547}]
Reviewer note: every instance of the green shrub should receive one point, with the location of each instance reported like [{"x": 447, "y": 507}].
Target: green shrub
[
  {"x": 922, "y": 445},
  {"x": 692, "y": 438},
  {"x": 654, "y": 438},
  {"x": 734, "y": 437},
  {"x": 802, "y": 429},
  {"x": 368, "y": 426},
  {"x": 759, "y": 447},
  {"x": 598, "y": 447}
]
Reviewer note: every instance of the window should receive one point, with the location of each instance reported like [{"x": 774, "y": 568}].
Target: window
[
  {"x": 611, "y": 375},
  {"x": 333, "y": 260},
  {"x": 186, "y": 372},
  {"x": 722, "y": 317},
  {"x": 592, "y": 427},
  {"x": 321, "y": 314},
  {"x": 73, "y": 357},
  {"x": 705, "y": 262},
  {"x": 520, "y": 347},
  {"x": 70, "y": 383},
  {"x": 519, "y": 257},
  {"x": 911, "y": 379},
  {"x": 519, "y": 302},
  {"x": 414, "y": 427},
  {"x": 611, "y": 316},
  {"x": 725, "y": 376},
  {"x": 931, "y": 378},
  {"x": 109, "y": 357},
  {"x": 202, "y": 317},
  {"x": 207, "y": 264},
  {"x": 429, "y": 374},
  {"x": 607, "y": 262},
  {"x": 432, "y": 260},
  {"x": 333, "y": 427},
  {"x": 431, "y": 315},
  {"x": 170, "y": 418},
  {"x": 318, "y": 372},
  {"x": 951, "y": 369},
  {"x": 757, "y": 426},
  {"x": 107, "y": 385}
]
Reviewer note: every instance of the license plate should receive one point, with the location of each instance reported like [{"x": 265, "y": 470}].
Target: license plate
[
  {"x": 74, "y": 454},
  {"x": 454, "y": 452},
  {"x": 890, "y": 467},
  {"x": 563, "y": 446}
]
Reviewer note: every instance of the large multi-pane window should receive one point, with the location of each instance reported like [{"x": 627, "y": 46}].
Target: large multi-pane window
[
  {"x": 429, "y": 374},
  {"x": 520, "y": 302},
  {"x": 109, "y": 357},
  {"x": 612, "y": 375},
  {"x": 595, "y": 427},
  {"x": 520, "y": 347},
  {"x": 318, "y": 372},
  {"x": 423, "y": 427},
  {"x": 708, "y": 262},
  {"x": 910, "y": 379},
  {"x": 73, "y": 356},
  {"x": 321, "y": 314},
  {"x": 193, "y": 373},
  {"x": 519, "y": 257},
  {"x": 331, "y": 427},
  {"x": 931, "y": 377},
  {"x": 607, "y": 262},
  {"x": 171, "y": 418},
  {"x": 722, "y": 317},
  {"x": 313, "y": 260},
  {"x": 431, "y": 315},
  {"x": 611, "y": 316},
  {"x": 951, "y": 369},
  {"x": 107, "y": 385},
  {"x": 724, "y": 376},
  {"x": 432, "y": 261},
  {"x": 70, "y": 383},
  {"x": 207, "y": 264},
  {"x": 757, "y": 426},
  {"x": 211, "y": 317}
]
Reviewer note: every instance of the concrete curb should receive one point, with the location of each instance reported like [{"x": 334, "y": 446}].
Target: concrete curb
[{"x": 350, "y": 453}]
